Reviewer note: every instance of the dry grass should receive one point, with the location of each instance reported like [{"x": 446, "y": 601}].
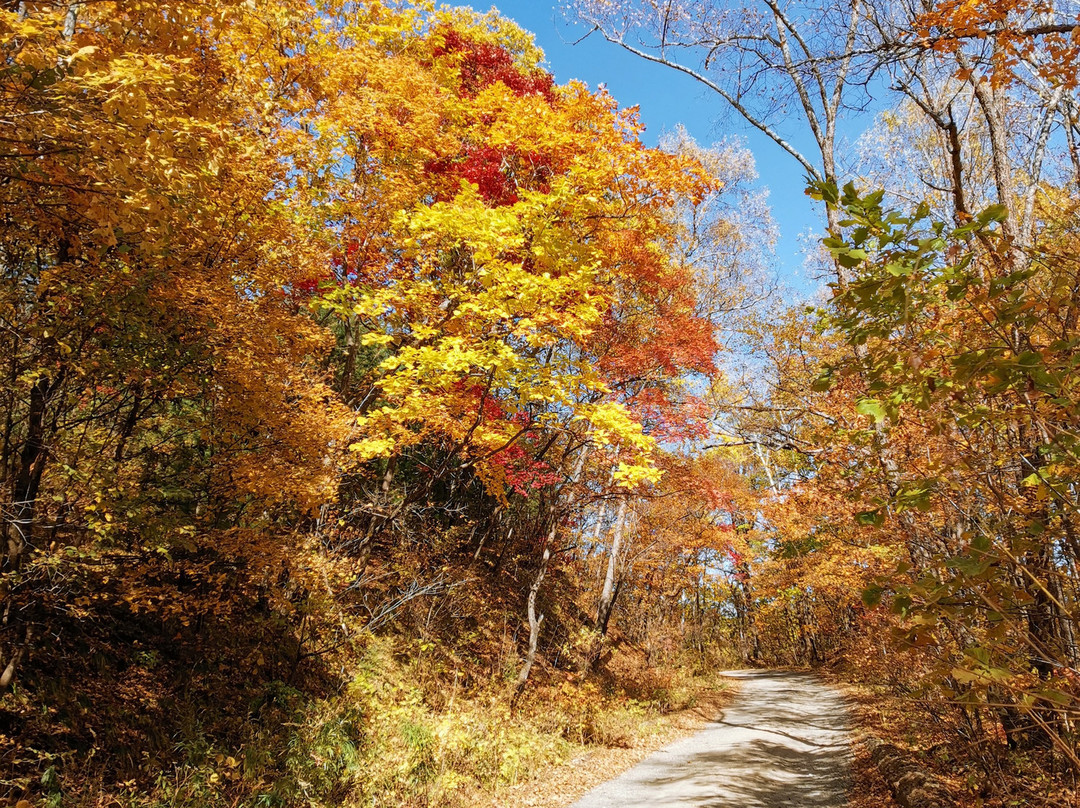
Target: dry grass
[{"x": 565, "y": 784}]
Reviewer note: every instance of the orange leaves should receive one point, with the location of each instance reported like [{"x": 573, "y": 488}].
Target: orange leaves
[
  {"x": 148, "y": 156},
  {"x": 1028, "y": 30}
]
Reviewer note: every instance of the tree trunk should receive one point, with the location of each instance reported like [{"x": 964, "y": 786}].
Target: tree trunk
[
  {"x": 535, "y": 620},
  {"x": 607, "y": 594},
  {"x": 352, "y": 346},
  {"x": 18, "y": 530},
  {"x": 31, "y": 466}
]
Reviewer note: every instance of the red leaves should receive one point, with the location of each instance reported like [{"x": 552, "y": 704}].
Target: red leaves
[
  {"x": 517, "y": 467},
  {"x": 522, "y": 472},
  {"x": 308, "y": 287},
  {"x": 648, "y": 347},
  {"x": 344, "y": 270},
  {"x": 739, "y": 562},
  {"x": 497, "y": 173},
  {"x": 485, "y": 167},
  {"x": 483, "y": 64},
  {"x": 481, "y": 402}
]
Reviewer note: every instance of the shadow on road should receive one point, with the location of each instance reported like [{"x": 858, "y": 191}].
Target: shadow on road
[{"x": 782, "y": 744}]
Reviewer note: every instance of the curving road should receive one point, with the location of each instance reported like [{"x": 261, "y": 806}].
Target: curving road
[{"x": 783, "y": 743}]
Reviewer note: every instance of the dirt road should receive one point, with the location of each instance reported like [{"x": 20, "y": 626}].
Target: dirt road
[{"x": 783, "y": 743}]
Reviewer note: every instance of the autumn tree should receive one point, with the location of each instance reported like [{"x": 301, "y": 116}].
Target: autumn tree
[
  {"x": 520, "y": 292},
  {"x": 899, "y": 438},
  {"x": 157, "y": 375},
  {"x": 985, "y": 581}
]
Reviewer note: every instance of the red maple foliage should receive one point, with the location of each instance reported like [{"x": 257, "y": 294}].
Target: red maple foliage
[{"x": 483, "y": 64}]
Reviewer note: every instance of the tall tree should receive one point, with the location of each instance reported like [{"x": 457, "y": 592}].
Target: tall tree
[{"x": 762, "y": 59}]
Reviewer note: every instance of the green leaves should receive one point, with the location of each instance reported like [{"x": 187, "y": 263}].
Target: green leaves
[
  {"x": 871, "y": 596},
  {"x": 824, "y": 381},
  {"x": 850, "y": 258},
  {"x": 873, "y": 408},
  {"x": 915, "y": 495},
  {"x": 874, "y": 518}
]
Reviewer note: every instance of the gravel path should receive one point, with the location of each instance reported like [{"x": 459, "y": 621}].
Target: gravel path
[{"x": 783, "y": 743}]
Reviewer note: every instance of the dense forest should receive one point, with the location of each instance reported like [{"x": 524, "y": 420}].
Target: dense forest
[{"x": 383, "y": 422}]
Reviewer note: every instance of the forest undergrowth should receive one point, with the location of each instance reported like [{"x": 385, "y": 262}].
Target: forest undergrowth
[{"x": 254, "y": 707}]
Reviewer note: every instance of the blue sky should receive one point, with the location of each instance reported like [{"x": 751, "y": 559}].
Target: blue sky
[{"x": 667, "y": 98}]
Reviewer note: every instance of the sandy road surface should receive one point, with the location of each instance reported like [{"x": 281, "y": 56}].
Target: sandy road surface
[{"x": 783, "y": 743}]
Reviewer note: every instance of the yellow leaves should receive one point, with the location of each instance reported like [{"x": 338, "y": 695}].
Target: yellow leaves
[
  {"x": 466, "y": 221},
  {"x": 611, "y": 424},
  {"x": 489, "y": 283},
  {"x": 162, "y": 190},
  {"x": 217, "y": 188},
  {"x": 376, "y": 338},
  {"x": 83, "y": 54},
  {"x": 490, "y": 28},
  {"x": 370, "y": 448},
  {"x": 630, "y": 476}
]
